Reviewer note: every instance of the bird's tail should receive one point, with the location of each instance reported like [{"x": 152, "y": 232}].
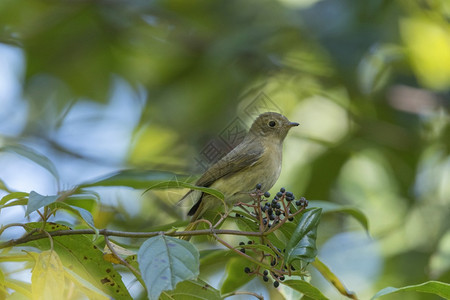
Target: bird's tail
[
  {"x": 191, "y": 226},
  {"x": 196, "y": 212}
]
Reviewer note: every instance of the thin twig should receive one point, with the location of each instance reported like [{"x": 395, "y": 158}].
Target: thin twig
[{"x": 135, "y": 272}]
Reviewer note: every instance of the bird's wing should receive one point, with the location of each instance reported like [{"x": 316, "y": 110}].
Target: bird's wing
[{"x": 236, "y": 160}]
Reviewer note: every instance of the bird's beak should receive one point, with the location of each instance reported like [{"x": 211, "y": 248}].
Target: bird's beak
[{"x": 293, "y": 124}]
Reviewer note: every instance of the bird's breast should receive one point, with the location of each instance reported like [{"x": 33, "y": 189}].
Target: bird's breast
[{"x": 264, "y": 171}]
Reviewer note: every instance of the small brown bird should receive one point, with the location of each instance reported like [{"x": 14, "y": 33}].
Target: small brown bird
[{"x": 256, "y": 160}]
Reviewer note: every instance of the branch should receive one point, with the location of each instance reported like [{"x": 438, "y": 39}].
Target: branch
[{"x": 106, "y": 232}]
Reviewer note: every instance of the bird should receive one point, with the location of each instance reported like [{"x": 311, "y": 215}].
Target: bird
[{"x": 254, "y": 161}]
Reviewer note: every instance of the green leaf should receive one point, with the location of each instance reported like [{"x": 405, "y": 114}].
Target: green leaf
[
  {"x": 33, "y": 156},
  {"x": 80, "y": 212},
  {"x": 235, "y": 277},
  {"x": 192, "y": 289},
  {"x": 164, "y": 261},
  {"x": 23, "y": 201},
  {"x": 138, "y": 179},
  {"x": 14, "y": 195},
  {"x": 330, "y": 207},
  {"x": 215, "y": 256},
  {"x": 332, "y": 278},
  {"x": 4, "y": 187},
  {"x": 36, "y": 201},
  {"x": 306, "y": 289},
  {"x": 302, "y": 244},
  {"x": 180, "y": 184},
  {"x": 82, "y": 202},
  {"x": 433, "y": 287},
  {"x": 79, "y": 254},
  {"x": 245, "y": 224}
]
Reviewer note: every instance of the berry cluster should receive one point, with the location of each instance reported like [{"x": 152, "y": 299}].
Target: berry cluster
[
  {"x": 270, "y": 214},
  {"x": 278, "y": 208}
]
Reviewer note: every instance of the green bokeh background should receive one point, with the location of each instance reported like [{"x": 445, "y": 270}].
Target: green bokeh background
[{"x": 369, "y": 82}]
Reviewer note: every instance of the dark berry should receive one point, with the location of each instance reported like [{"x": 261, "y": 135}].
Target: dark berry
[
  {"x": 291, "y": 219},
  {"x": 278, "y": 206},
  {"x": 289, "y": 198},
  {"x": 265, "y": 272},
  {"x": 278, "y": 212},
  {"x": 250, "y": 242},
  {"x": 263, "y": 208},
  {"x": 270, "y": 211},
  {"x": 279, "y": 194},
  {"x": 241, "y": 243},
  {"x": 247, "y": 270},
  {"x": 282, "y": 278},
  {"x": 282, "y": 190},
  {"x": 265, "y": 278},
  {"x": 298, "y": 203},
  {"x": 273, "y": 262},
  {"x": 265, "y": 221},
  {"x": 292, "y": 268},
  {"x": 238, "y": 215},
  {"x": 274, "y": 205},
  {"x": 269, "y": 225},
  {"x": 289, "y": 194},
  {"x": 258, "y": 186},
  {"x": 267, "y": 194},
  {"x": 274, "y": 201},
  {"x": 242, "y": 250},
  {"x": 272, "y": 217}
]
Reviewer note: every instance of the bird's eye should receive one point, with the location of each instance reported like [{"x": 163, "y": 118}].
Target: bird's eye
[{"x": 272, "y": 123}]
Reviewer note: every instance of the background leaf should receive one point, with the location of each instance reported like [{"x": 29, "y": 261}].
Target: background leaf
[
  {"x": 433, "y": 287},
  {"x": 34, "y": 156},
  {"x": 179, "y": 184},
  {"x": 331, "y": 207},
  {"x": 138, "y": 179},
  {"x": 165, "y": 261},
  {"x": 13, "y": 195},
  {"x": 332, "y": 278}
]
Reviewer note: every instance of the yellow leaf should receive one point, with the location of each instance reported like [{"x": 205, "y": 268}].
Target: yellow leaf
[{"x": 47, "y": 279}]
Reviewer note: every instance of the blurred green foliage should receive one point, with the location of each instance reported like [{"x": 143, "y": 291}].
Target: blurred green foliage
[{"x": 369, "y": 81}]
